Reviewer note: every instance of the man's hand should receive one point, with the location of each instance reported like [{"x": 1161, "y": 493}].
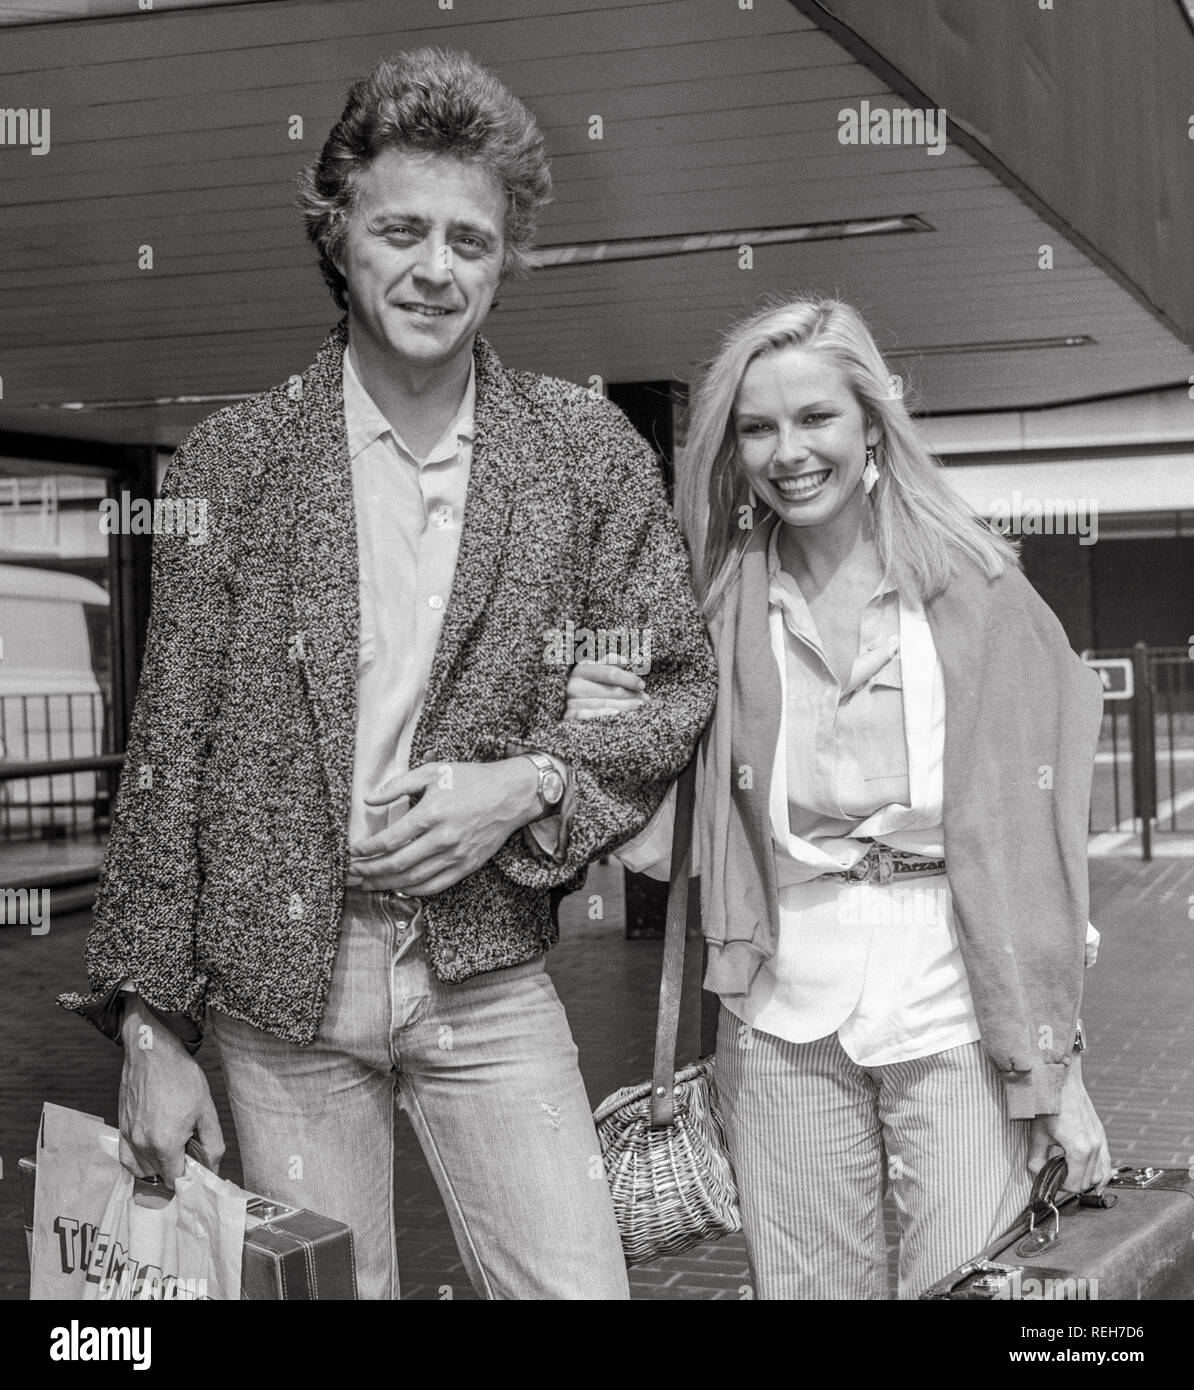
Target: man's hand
[
  {"x": 466, "y": 813},
  {"x": 1079, "y": 1131},
  {"x": 164, "y": 1100}
]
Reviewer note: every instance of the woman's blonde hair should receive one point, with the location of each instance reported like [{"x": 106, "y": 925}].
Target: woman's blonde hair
[{"x": 921, "y": 525}]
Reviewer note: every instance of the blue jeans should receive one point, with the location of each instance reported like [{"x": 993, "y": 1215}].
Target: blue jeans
[{"x": 487, "y": 1073}]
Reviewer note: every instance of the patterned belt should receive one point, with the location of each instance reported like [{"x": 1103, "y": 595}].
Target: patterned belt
[{"x": 882, "y": 864}]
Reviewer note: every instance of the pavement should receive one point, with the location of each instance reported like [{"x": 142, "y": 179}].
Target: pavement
[{"x": 1139, "y": 1070}]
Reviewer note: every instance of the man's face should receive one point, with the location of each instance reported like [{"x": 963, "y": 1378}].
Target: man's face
[{"x": 423, "y": 255}]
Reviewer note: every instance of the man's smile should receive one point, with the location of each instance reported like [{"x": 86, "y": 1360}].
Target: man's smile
[{"x": 429, "y": 311}]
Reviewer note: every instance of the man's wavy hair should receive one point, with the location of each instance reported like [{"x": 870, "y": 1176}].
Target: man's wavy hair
[{"x": 437, "y": 101}]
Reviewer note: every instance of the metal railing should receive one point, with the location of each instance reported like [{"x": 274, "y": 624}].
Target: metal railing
[
  {"x": 1144, "y": 769},
  {"x": 1172, "y": 680},
  {"x": 57, "y": 778}
]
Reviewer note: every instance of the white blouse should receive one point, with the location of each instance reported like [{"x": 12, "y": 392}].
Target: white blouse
[{"x": 879, "y": 965}]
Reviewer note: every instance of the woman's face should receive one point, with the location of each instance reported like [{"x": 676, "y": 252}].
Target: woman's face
[{"x": 801, "y": 436}]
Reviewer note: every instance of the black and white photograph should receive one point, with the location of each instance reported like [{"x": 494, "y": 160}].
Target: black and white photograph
[{"x": 597, "y": 665}]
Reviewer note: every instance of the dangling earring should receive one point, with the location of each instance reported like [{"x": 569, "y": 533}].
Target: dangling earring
[{"x": 870, "y": 474}]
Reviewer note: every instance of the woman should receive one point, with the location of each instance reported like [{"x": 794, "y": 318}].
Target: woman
[{"x": 891, "y": 823}]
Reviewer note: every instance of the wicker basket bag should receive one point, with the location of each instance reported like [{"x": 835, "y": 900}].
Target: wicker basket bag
[{"x": 662, "y": 1142}]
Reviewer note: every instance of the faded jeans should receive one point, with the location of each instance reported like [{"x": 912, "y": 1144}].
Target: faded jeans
[{"x": 486, "y": 1071}]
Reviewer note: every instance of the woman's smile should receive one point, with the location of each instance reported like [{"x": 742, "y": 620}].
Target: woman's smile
[{"x": 803, "y": 486}]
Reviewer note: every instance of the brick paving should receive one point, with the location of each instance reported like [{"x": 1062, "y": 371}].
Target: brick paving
[{"x": 1140, "y": 1069}]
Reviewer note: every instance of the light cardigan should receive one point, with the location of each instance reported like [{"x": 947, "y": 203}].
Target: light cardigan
[{"x": 1022, "y": 722}]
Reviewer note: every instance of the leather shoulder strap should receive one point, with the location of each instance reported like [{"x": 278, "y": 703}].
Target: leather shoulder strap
[{"x": 672, "y": 980}]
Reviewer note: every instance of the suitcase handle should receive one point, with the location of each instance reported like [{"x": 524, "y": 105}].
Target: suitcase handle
[
  {"x": 1042, "y": 1204},
  {"x": 1047, "y": 1182},
  {"x": 158, "y": 1188},
  {"x": 1045, "y": 1201},
  {"x": 194, "y": 1149}
]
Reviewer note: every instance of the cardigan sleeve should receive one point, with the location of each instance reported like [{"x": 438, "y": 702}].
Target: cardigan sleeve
[
  {"x": 147, "y": 900},
  {"x": 1022, "y": 729},
  {"x": 638, "y": 582}
]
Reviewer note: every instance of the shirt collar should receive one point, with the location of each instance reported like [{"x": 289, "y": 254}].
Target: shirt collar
[
  {"x": 784, "y": 590},
  {"x": 365, "y": 423},
  {"x": 876, "y": 664}
]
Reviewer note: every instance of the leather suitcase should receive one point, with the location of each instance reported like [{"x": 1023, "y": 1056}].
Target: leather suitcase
[
  {"x": 1135, "y": 1241},
  {"x": 289, "y": 1253},
  {"x": 292, "y": 1253}
]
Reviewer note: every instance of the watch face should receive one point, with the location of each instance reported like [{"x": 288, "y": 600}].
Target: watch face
[{"x": 551, "y": 784}]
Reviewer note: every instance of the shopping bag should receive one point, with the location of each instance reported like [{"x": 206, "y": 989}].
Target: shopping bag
[{"x": 101, "y": 1233}]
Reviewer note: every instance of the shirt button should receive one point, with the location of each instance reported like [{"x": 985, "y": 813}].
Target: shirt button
[
  {"x": 870, "y": 646},
  {"x": 442, "y": 516},
  {"x": 435, "y": 602}
]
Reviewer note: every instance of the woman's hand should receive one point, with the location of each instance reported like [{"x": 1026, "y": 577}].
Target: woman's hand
[
  {"x": 1076, "y": 1129},
  {"x": 597, "y": 689}
]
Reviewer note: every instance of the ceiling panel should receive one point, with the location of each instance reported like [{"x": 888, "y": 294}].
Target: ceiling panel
[{"x": 56, "y": 11}]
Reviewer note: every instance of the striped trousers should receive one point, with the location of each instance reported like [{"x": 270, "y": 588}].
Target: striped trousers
[{"x": 815, "y": 1139}]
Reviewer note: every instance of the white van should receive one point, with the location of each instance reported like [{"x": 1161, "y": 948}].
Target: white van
[{"x": 51, "y": 705}]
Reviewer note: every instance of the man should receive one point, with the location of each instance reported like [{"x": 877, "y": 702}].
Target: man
[{"x": 350, "y": 799}]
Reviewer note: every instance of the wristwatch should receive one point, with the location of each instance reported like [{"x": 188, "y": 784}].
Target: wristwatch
[{"x": 551, "y": 784}]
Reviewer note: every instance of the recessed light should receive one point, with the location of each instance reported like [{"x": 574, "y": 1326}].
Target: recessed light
[
  {"x": 147, "y": 402},
  {"x": 995, "y": 345},
  {"x": 696, "y": 243}
]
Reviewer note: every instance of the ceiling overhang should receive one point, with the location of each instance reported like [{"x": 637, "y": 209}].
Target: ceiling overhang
[{"x": 173, "y": 132}]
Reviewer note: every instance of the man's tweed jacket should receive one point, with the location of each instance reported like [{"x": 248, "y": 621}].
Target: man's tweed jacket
[{"x": 224, "y": 878}]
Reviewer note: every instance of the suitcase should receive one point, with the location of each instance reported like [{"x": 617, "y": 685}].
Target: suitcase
[
  {"x": 289, "y": 1253},
  {"x": 1134, "y": 1241}
]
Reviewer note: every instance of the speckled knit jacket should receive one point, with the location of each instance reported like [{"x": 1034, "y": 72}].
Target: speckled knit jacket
[{"x": 224, "y": 878}]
